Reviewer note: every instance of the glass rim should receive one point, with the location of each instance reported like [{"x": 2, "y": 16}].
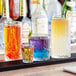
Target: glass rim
[
  {"x": 58, "y": 17},
  {"x": 39, "y": 35},
  {"x": 12, "y": 23},
  {"x": 27, "y": 45}
]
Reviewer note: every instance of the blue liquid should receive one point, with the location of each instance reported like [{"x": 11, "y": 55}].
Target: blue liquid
[{"x": 41, "y": 54}]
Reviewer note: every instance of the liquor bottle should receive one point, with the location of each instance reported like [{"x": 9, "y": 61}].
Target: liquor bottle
[
  {"x": 1, "y": 8},
  {"x": 26, "y": 24},
  {"x": 14, "y": 9},
  {"x": 69, "y": 11},
  {"x": 39, "y": 20}
]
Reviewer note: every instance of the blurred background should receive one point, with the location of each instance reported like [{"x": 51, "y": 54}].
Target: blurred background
[{"x": 66, "y": 8}]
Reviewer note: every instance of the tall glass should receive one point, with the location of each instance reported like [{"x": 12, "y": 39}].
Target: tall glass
[
  {"x": 60, "y": 35},
  {"x": 12, "y": 40}
]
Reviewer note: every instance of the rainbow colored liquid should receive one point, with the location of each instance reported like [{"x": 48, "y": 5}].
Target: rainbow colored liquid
[{"x": 12, "y": 38}]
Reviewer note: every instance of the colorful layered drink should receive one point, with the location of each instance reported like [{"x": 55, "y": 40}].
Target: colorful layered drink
[{"x": 41, "y": 47}]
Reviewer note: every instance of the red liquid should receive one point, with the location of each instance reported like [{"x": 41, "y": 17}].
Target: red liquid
[{"x": 12, "y": 41}]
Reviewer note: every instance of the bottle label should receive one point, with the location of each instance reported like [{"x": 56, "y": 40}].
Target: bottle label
[
  {"x": 73, "y": 24},
  {"x": 71, "y": 16},
  {"x": 25, "y": 32},
  {"x": 42, "y": 26},
  {"x": 33, "y": 1}
]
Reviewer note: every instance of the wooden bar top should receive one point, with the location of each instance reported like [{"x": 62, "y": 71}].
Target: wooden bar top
[{"x": 49, "y": 70}]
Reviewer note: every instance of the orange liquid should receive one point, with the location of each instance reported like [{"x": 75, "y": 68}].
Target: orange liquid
[{"x": 12, "y": 42}]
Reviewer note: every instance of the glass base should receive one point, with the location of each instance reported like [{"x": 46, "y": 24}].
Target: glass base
[
  {"x": 7, "y": 59},
  {"x": 60, "y": 57},
  {"x": 26, "y": 61},
  {"x": 41, "y": 59}
]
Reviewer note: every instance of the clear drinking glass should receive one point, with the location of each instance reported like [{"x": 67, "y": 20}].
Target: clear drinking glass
[
  {"x": 60, "y": 38},
  {"x": 12, "y": 40},
  {"x": 27, "y": 53},
  {"x": 41, "y": 47}
]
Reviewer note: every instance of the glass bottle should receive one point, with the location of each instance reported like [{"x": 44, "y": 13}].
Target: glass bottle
[
  {"x": 69, "y": 11},
  {"x": 26, "y": 24},
  {"x": 1, "y": 28},
  {"x": 40, "y": 20},
  {"x": 1, "y": 7}
]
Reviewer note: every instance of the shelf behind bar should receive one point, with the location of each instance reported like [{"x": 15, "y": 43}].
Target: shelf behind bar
[{"x": 13, "y": 65}]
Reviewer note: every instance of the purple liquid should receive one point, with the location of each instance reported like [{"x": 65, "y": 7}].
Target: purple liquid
[{"x": 41, "y": 49}]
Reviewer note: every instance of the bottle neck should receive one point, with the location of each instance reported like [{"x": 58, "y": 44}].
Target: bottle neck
[
  {"x": 40, "y": 4},
  {"x": 24, "y": 8},
  {"x": 4, "y": 9},
  {"x": 21, "y": 7},
  {"x": 7, "y": 8},
  {"x": 4, "y": 13}
]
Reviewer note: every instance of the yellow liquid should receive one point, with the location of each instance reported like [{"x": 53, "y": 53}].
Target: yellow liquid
[
  {"x": 1, "y": 7},
  {"x": 60, "y": 38}
]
